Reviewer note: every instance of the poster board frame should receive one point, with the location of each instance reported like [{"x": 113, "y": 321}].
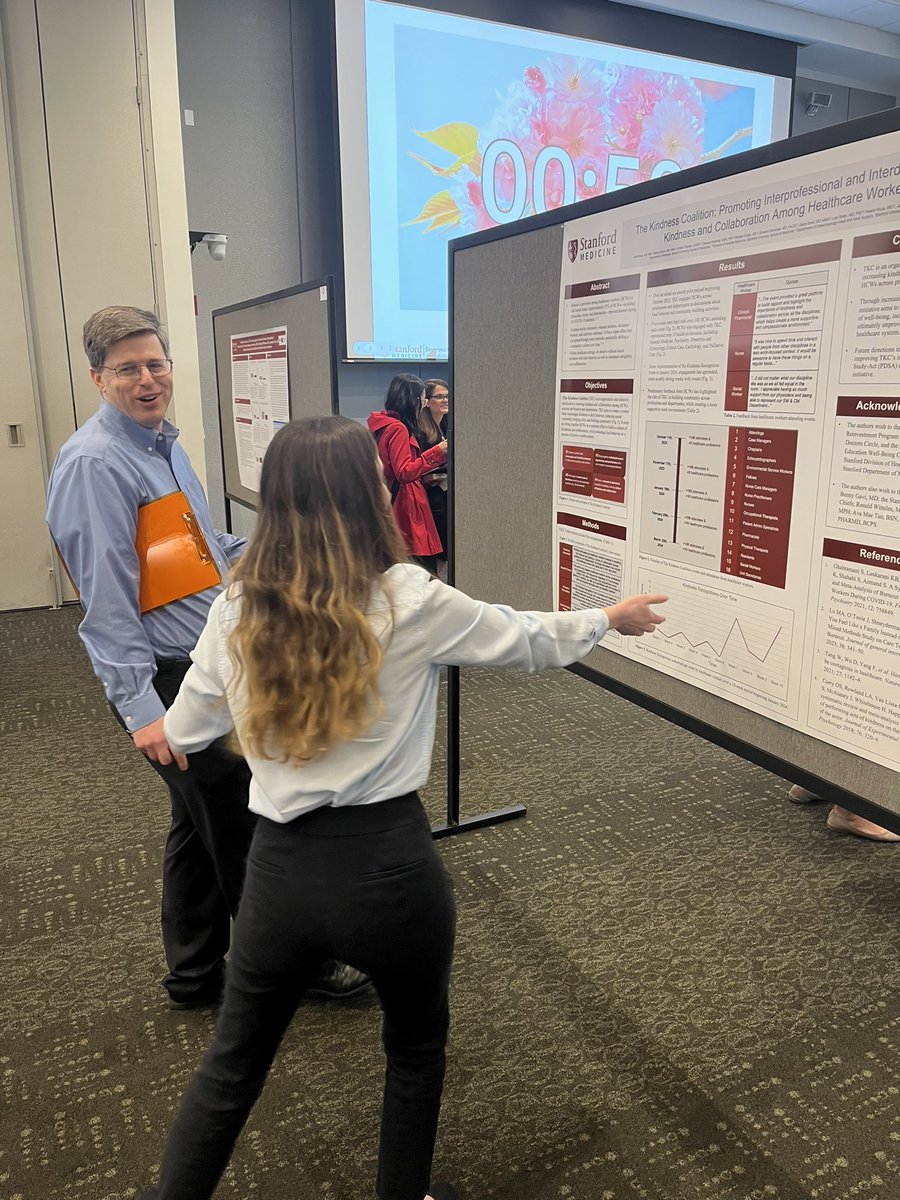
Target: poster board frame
[
  {"x": 307, "y": 311},
  {"x": 473, "y": 261}
]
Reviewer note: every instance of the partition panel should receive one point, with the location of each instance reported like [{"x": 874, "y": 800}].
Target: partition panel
[{"x": 503, "y": 385}]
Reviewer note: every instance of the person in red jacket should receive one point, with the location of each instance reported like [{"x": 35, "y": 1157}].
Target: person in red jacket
[{"x": 396, "y": 431}]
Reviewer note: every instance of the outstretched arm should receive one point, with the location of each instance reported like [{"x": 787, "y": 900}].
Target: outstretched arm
[{"x": 460, "y": 631}]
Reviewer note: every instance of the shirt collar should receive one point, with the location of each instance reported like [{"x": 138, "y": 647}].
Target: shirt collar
[{"x": 160, "y": 441}]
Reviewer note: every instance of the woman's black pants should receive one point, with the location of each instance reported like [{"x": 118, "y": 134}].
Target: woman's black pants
[{"x": 363, "y": 885}]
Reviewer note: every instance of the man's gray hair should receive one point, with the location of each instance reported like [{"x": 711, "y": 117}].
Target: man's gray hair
[{"x": 110, "y": 325}]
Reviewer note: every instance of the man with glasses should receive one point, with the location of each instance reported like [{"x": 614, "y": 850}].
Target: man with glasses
[{"x": 105, "y": 480}]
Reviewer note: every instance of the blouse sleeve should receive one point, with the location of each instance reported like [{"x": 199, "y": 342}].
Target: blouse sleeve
[
  {"x": 460, "y": 631},
  {"x": 200, "y": 712}
]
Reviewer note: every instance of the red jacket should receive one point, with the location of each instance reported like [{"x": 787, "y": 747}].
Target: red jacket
[{"x": 405, "y": 465}]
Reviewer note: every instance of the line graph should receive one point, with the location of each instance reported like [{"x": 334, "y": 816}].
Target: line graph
[
  {"x": 735, "y": 628},
  {"x": 721, "y": 640}
]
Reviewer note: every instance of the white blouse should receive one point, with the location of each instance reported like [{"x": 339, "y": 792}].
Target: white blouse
[{"x": 433, "y": 625}]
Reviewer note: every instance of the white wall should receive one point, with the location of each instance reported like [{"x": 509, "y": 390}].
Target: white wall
[
  {"x": 25, "y": 579},
  {"x": 96, "y": 215}
]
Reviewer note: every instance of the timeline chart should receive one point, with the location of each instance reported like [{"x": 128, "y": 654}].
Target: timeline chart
[
  {"x": 759, "y": 496},
  {"x": 775, "y": 343},
  {"x": 683, "y": 499},
  {"x": 726, "y": 643},
  {"x": 871, "y": 350}
]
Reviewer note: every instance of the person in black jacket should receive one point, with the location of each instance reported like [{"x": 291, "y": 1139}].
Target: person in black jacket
[{"x": 433, "y": 416}]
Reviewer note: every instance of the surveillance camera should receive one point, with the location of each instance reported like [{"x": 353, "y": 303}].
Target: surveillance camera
[
  {"x": 217, "y": 245},
  {"x": 817, "y": 101}
]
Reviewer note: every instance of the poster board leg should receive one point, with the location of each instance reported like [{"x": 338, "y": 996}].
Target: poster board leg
[
  {"x": 490, "y": 818},
  {"x": 453, "y": 823}
]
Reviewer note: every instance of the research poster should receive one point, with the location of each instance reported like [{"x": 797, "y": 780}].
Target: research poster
[
  {"x": 728, "y": 433},
  {"x": 260, "y": 397}
]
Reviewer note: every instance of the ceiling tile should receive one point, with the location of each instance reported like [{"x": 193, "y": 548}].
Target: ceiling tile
[
  {"x": 845, "y": 10},
  {"x": 873, "y": 12}
]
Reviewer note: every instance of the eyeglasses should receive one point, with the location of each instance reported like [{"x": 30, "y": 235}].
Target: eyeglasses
[
  {"x": 439, "y": 396},
  {"x": 158, "y": 368}
]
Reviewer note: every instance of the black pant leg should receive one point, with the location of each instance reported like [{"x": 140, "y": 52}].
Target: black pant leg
[
  {"x": 203, "y": 870},
  {"x": 212, "y": 799},
  {"x": 409, "y": 960},
  {"x": 205, "y": 856},
  {"x": 397, "y": 924},
  {"x": 274, "y": 957},
  {"x": 256, "y": 1011}
]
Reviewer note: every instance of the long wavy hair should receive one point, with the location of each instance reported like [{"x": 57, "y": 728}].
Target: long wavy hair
[
  {"x": 303, "y": 646},
  {"x": 404, "y": 400}
]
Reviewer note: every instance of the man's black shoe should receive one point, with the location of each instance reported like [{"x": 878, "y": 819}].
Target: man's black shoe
[
  {"x": 338, "y": 981},
  {"x": 195, "y": 1002},
  {"x": 443, "y": 1191}
]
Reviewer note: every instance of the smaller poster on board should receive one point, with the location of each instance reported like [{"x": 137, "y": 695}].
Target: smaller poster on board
[{"x": 260, "y": 397}]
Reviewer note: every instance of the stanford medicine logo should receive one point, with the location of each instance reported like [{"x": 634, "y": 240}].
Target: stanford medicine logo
[{"x": 573, "y": 249}]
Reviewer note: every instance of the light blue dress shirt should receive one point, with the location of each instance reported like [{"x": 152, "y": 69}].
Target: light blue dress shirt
[{"x": 102, "y": 475}]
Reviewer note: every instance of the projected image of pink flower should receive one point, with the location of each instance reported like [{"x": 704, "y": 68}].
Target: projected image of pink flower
[
  {"x": 671, "y": 133},
  {"x": 568, "y": 129}
]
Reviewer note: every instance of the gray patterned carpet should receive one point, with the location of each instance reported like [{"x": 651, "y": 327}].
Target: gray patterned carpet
[{"x": 671, "y": 984}]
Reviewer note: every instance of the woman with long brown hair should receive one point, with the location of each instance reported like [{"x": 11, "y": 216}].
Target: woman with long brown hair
[
  {"x": 396, "y": 431},
  {"x": 324, "y": 657}
]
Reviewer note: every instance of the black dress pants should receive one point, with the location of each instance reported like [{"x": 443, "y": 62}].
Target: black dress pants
[
  {"x": 364, "y": 885},
  {"x": 205, "y": 856}
]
